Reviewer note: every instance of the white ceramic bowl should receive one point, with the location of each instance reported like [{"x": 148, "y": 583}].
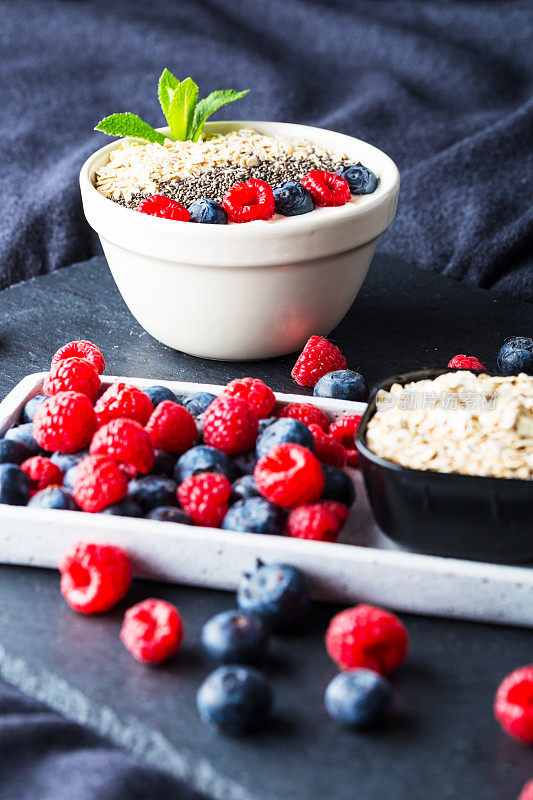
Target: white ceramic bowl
[{"x": 249, "y": 291}]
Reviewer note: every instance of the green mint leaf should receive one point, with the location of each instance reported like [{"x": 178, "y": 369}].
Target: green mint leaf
[
  {"x": 166, "y": 87},
  {"x": 209, "y": 105},
  {"x": 180, "y": 113},
  {"x": 127, "y": 124}
]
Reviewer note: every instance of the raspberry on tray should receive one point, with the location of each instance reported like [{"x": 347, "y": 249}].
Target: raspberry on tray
[
  {"x": 125, "y": 441},
  {"x": 205, "y": 498},
  {"x": 171, "y": 428},
  {"x": 123, "y": 400},
  {"x": 99, "y": 483},
  {"x": 73, "y": 375},
  {"x": 81, "y": 349},
  {"x": 255, "y": 392},
  {"x": 289, "y": 475},
  {"x": 321, "y": 522},
  {"x": 230, "y": 425},
  {"x": 64, "y": 422}
]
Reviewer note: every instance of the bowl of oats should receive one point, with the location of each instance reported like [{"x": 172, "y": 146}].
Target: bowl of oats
[{"x": 447, "y": 459}]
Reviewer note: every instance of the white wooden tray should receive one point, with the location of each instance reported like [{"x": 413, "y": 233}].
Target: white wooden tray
[{"x": 363, "y": 566}]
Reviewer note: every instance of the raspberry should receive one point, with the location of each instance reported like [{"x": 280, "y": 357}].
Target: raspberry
[
  {"x": 205, "y": 498},
  {"x": 94, "y": 576},
  {"x": 247, "y": 201},
  {"x": 326, "y": 188},
  {"x": 230, "y": 425},
  {"x": 126, "y": 441},
  {"x": 64, "y": 422},
  {"x": 527, "y": 792},
  {"x": 42, "y": 472},
  {"x": 81, "y": 349},
  {"x": 306, "y": 413},
  {"x": 317, "y": 359},
  {"x": 171, "y": 428},
  {"x": 99, "y": 482},
  {"x": 327, "y": 449},
  {"x": 157, "y": 205},
  {"x": 343, "y": 430},
  {"x": 73, "y": 375},
  {"x": 289, "y": 475},
  {"x": 513, "y": 704},
  {"x": 365, "y": 636},
  {"x": 321, "y": 522},
  {"x": 152, "y": 631},
  {"x": 256, "y": 393},
  {"x": 122, "y": 400},
  {"x": 466, "y": 362}
]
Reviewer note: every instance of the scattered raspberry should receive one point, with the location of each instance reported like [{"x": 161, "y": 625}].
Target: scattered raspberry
[
  {"x": 466, "y": 362},
  {"x": 321, "y": 522},
  {"x": 126, "y": 441},
  {"x": 254, "y": 392},
  {"x": 99, "y": 483},
  {"x": 230, "y": 425},
  {"x": 527, "y": 792},
  {"x": 205, "y": 498},
  {"x": 42, "y": 473},
  {"x": 94, "y": 576},
  {"x": 317, "y": 359},
  {"x": 326, "y": 188},
  {"x": 73, "y": 375},
  {"x": 122, "y": 400},
  {"x": 289, "y": 475},
  {"x": 157, "y": 205},
  {"x": 247, "y": 201},
  {"x": 327, "y": 449},
  {"x": 81, "y": 349},
  {"x": 365, "y": 636},
  {"x": 306, "y": 413},
  {"x": 171, "y": 428},
  {"x": 64, "y": 422},
  {"x": 513, "y": 705},
  {"x": 152, "y": 631},
  {"x": 343, "y": 430}
]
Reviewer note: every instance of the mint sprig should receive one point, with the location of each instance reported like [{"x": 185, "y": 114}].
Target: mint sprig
[{"x": 185, "y": 115}]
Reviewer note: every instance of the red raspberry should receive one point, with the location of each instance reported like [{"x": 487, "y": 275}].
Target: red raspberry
[
  {"x": 343, "y": 430},
  {"x": 126, "y": 441},
  {"x": 256, "y": 393},
  {"x": 42, "y": 473},
  {"x": 327, "y": 449},
  {"x": 152, "y": 631},
  {"x": 306, "y": 413},
  {"x": 230, "y": 425},
  {"x": 251, "y": 200},
  {"x": 94, "y": 576},
  {"x": 64, "y": 422},
  {"x": 157, "y": 205},
  {"x": 205, "y": 498},
  {"x": 73, "y": 375},
  {"x": 81, "y": 349},
  {"x": 466, "y": 362},
  {"x": 289, "y": 475},
  {"x": 513, "y": 705},
  {"x": 368, "y": 637},
  {"x": 123, "y": 400},
  {"x": 527, "y": 792},
  {"x": 326, "y": 188},
  {"x": 321, "y": 522},
  {"x": 171, "y": 428},
  {"x": 317, "y": 359},
  {"x": 99, "y": 482}
]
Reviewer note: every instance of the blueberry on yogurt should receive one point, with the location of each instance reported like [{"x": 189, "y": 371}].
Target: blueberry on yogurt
[
  {"x": 207, "y": 211},
  {"x": 292, "y": 199},
  {"x": 360, "y": 179}
]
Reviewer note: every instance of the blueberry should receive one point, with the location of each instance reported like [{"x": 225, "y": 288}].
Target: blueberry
[
  {"x": 69, "y": 477},
  {"x": 158, "y": 393},
  {"x": 164, "y": 463},
  {"x": 357, "y": 698},
  {"x": 200, "y": 428},
  {"x": 204, "y": 459},
  {"x": 197, "y": 403},
  {"x": 284, "y": 430},
  {"x": 124, "y": 508},
  {"x": 516, "y": 355},
  {"x": 67, "y": 460},
  {"x": 292, "y": 199},
  {"x": 24, "y": 433},
  {"x": 278, "y": 593},
  {"x": 255, "y": 515},
  {"x": 31, "y": 407},
  {"x": 266, "y": 422},
  {"x": 153, "y": 490},
  {"x": 246, "y": 463},
  {"x": 13, "y": 452},
  {"x": 243, "y": 488},
  {"x": 207, "y": 211},
  {"x": 343, "y": 384},
  {"x": 235, "y": 638},
  {"x": 338, "y": 486},
  {"x": 53, "y": 497},
  {"x": 14, "y": 485},
  {"x": 360, "y": 179},
  {"x": 234, "y": 699},
  {"x": 169, "y": 514}
]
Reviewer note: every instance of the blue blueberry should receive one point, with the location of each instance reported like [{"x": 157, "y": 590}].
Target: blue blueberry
[
  {"x": 243, "y": 488},
  {"x": 14, "y": 485},
  {"x": 266, "y": 422},
  {"x": 360, "y": 179},
  {"x": 516, "y": 355},
  {"x": 53, "y": 497},
  {"x": 204, "y": 459},
  {"x": 278, "y": 593},
  {"x": 292, "y": 199},
  {"x": 31, "y": 407},
  {"x": 235, "y": 638},
  {"x": 207, "y": 211},
  {"x": 197, "y": 402},
  {"x": 284, "y": 430},
  {"x": 342, "y": 384},
  {"x": 158, "y": 393},
  {"x": 24, "y": 433},
  {"x": 357, "y": 698},
  {"x": 246, "y": 463},
  {"x": 200, "y": 428},
  {"x": 169, "y": 514},
  {"x": 338, "y": 486},
  {"x": 234, "y": 699},
  {"x": 164, "y": 463},
  {"x": 69, "y": 477},
  {"x": 151, "y": 491},
  {"x": 255, "y": 515},
  {"x": 67, "y": 460},
  {"x": 13, "y": 452},
  {"x": 124, "y": 508}
]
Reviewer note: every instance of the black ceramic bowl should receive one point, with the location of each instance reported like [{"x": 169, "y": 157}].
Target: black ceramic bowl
[{"x": 447, "y": 514}]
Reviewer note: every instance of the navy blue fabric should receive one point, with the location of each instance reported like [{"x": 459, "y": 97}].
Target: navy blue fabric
[{"x": 443, "y": 87}]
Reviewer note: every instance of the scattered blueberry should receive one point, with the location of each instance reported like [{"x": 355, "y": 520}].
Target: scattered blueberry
[
  {"x": 284, "y": 430},
  {"x": 31, "y": 407},
  {"x": 197, "y": 402},
  {"x": 14, "y": 485},
  {"x": 24, "y": 433},
  {"x": 265, "y": 423},
  {"x": 255, "y": 515},
  {"x": 243, "y": 488},
  {"x": 338, "y": 486},
  {"x": 151, "y": 491},
  {"x": 207, "y": 211},
  {"x": 53, "y": 497},
  {"x": 204, "y": 459},
  {"x": 292, "y": 199},
  {"x": 360, "y": 179},
  {"x": 516, "y": 355},
  {"x": 343, "y": 384},
  {"x": 164, "y": 463},
  {"x": 357, "y": 698},
  {"x": 169, "y": 514},
  {"x": 235, "y": 638},
  {"x": 124, "y": 508},
  {"x": 234, "y": 699},
  {"x": 246, "y": 463},
  {"x": 158, "y": 393},
  {"x": 67, "y": 460},
  {"x": 278, "y": 593},
  {"x": 12, "y": 452}
]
